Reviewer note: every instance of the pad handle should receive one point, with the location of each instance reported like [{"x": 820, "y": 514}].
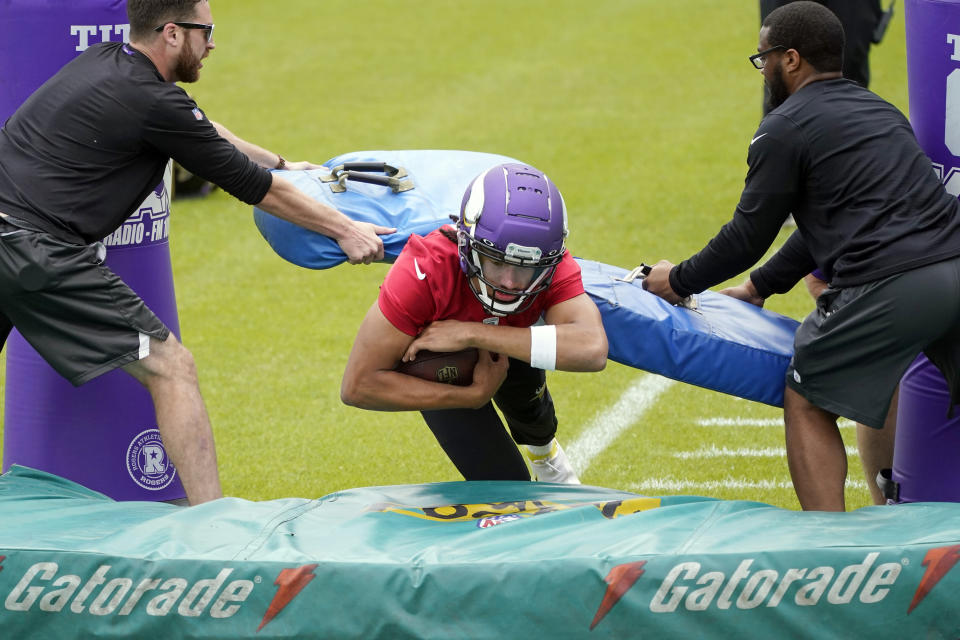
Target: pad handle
[
  {"x": 357, "y": 171},
  {"x": 382, "y": 167}
]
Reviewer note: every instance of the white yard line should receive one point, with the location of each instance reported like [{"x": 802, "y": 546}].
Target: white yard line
[
  {"x": 607, "y": 427},
  {"x": 740, "y": 422},
  {"x": 673, "y": 484},
  {"x": 714, "y": 451},
  {"x": 754, "y": 422},
  {"x": 630, "y": 408}
]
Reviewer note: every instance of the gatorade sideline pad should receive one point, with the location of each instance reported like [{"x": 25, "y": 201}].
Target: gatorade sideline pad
[
  {"x": 724, "y": 344},
  {"x": 468, "y": 559}
]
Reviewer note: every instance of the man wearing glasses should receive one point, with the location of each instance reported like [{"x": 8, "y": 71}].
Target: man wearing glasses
[
  {"x": 871, "y": 215},
  {"x": 75, "y": 160},
  {"x": 864, "y": 23}
]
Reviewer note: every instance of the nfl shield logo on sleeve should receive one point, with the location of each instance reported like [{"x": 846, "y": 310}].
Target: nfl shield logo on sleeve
[{"x": 197, "y": 113}]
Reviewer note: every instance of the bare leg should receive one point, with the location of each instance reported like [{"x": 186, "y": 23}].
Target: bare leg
[
  {"x": 876, "y": 449},
  {"x": 815, "y": 454},
  {"x": 169, "y": 373}
]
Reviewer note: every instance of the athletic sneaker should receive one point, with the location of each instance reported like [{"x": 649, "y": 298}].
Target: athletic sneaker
[{"x": 552, "y": 465}]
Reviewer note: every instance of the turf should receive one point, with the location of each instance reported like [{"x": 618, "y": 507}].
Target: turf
[{"x": 640, "y": 110}]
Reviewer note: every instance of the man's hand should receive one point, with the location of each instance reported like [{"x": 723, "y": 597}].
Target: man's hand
[
  {"x": 815, "y": 285},
  {"x": 303, "y": 165},
  {"x": 362, "y": 242},
  {"x": 658, "y": 282},
  {"x": 442, "y": 335},
  {"x": 488, "y": 375},
  {"x": 746, "y": 292}
]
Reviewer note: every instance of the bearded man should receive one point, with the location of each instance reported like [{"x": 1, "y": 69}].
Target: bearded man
[
  {"x": 75, "y": 160},
  {"x": 871, "y": 215}
]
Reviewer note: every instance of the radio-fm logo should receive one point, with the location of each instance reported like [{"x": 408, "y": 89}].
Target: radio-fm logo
[{"x": 149, "y": 224}]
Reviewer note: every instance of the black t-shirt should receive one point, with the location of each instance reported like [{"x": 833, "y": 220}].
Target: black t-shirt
[
  {"x": 864, "y": 195},
  {"x": 89, "y": 145}
]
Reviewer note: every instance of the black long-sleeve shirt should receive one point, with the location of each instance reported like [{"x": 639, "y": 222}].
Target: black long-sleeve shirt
[
  {"x": 88, "y": 146},
  {"x": 864, "y": 195}
]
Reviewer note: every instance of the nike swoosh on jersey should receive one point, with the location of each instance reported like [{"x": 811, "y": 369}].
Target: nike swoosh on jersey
[
  {"x": 757, "y": 138},
  {"x": 420, "y": 274}
]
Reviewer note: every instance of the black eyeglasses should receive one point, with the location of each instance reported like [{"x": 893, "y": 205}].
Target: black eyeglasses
[
  {"x": 759, "y": 59},
  {"x": 190, "y": 25}
]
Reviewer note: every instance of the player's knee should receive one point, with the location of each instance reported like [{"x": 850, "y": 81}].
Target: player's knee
[
  {"x": 170, "y": 360},
  {"x": 185, "y": 367}
]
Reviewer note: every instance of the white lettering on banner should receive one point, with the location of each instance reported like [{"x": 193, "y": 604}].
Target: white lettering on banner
[
  {"x": 955, "y": 41},
  {"x": 950, "y": 178},
  {"x": 161, "y": 229},
  {"x": 83, "y": 32},
  {"x": 150, "y": 222},
  {"x": 684, "y": 585},
  {"x": 125, "y": 235},
  {"x": 56, "y": 593},
  {"x": 135, "y": 233},
  {"x": 951, "y": 128}
]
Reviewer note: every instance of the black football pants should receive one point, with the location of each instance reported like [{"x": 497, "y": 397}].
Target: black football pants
[{"x": 475, "y": 440}]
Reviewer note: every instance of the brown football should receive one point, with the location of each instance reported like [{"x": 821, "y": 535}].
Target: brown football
[{"x": 455, "y": 367}]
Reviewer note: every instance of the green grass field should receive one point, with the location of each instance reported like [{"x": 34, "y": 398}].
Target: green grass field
[{"x": 640, "y": 110}]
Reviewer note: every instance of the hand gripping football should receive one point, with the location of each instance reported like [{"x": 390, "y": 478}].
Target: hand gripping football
[{"x": 454, "y": 367}]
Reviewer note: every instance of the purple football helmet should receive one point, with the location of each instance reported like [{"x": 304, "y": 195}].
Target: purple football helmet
[{"x": 510, "y": 234}]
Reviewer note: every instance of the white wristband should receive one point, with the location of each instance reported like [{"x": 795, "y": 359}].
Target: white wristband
[{"x": 543, "y": 347}]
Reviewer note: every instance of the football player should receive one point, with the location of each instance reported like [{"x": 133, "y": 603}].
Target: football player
[{"x": 501, "y": 281}]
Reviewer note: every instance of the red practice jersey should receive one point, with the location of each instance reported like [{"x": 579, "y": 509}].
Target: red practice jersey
[{"x": 426, "y": 284}]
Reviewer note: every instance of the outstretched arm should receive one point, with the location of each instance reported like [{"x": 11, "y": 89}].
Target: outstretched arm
[
  {"x": 360, "y": 241},
  {"x": 581, "y": 343},
  {"x": 263, "y": 157},
  {"x": 369, "y": 381}
]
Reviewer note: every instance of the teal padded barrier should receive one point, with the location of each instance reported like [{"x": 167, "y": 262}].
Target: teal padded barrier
[{"x": 469, "y": 560}]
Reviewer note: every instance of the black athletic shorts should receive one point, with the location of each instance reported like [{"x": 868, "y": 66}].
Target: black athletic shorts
[
  {"x": 852, "y": 350},
  {"x": 77, "y": 313}
]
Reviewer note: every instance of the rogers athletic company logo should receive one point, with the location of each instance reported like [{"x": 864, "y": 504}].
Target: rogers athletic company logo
[
  {"x": 688, "y": 587},
  {"x": 147, "y": 461},
  {"x": 43, "y": 588}
]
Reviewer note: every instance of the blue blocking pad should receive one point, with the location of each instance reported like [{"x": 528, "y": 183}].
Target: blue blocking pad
[
  {"x": 724, "y": 344},
  {"x": 438, "y": 180}
]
